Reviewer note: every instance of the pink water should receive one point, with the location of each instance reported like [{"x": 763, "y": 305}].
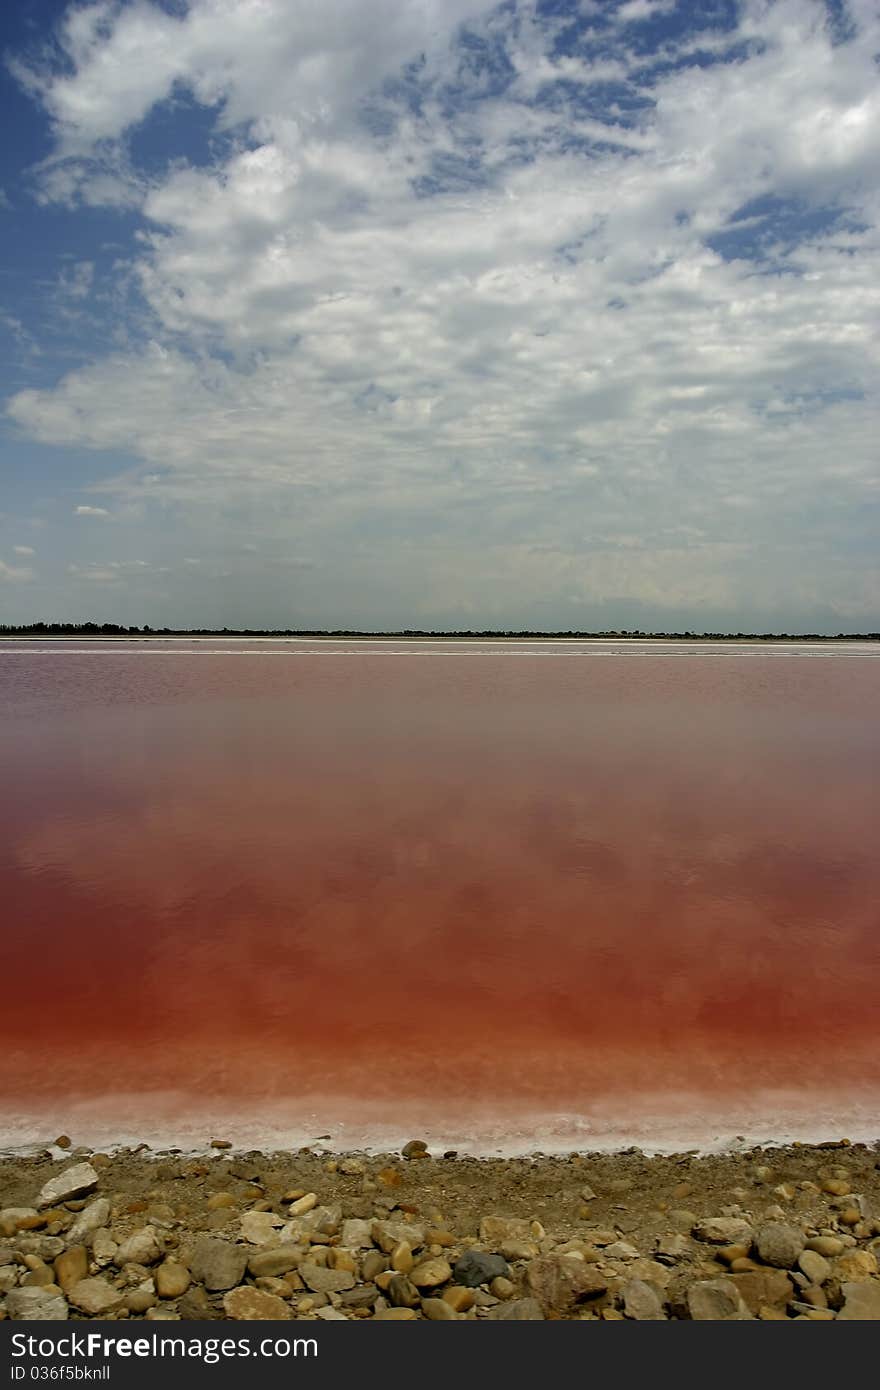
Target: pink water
[{"x": 517, "y": 897}]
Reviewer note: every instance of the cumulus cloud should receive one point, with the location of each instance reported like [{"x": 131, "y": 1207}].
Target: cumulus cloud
[
  {"x": 489, "y": 311},
  {"x": 90, "y": 511}
]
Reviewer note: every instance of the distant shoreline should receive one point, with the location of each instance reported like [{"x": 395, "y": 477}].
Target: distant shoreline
[{"x": 111, "y": 632}]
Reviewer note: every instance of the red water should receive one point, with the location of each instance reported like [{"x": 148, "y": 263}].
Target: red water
[{"x": 276, "y": 883}]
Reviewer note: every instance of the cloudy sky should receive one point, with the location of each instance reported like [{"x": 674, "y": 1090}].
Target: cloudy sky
[{"x": 432, "y": 313}]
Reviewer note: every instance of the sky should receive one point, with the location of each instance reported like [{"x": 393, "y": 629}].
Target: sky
[{"x": 548, "y": 314}]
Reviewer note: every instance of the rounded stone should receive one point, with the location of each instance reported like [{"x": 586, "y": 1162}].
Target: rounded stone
[{"x": 779, "y": 1244}]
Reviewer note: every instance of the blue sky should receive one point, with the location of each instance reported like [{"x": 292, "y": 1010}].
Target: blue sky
[{"x": 436, "y": 313}]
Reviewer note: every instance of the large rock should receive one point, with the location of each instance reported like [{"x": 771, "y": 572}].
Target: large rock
[
  {"x": 95, "y": 1296},
  {"x": 763, "y": 1288},
  {"x": 76, "y": 1181},
  {"x": 357, "y": 1234},
  {"x": 475, "y": 1267},
  {"x": 88, "y": 1221},
  {"x": 642, "y": 1302},
  {"x": 246, "y": 1304},
  {"x": 260, "y": 1227},
  {"x": 389, "y": 1234},
  {"x": 277, "y": 1259},
  {"x": 218, "y": 1264},
  {"x": 196, "y": 1306},
  {"x": 519, "y": 1310},
  {"x": 861, "y": 1302},
  {"x": 36, "y": 1305},
  {"x": 430, "y": 1274},
  {"x": 324, "y": 1220},
  {"x": 494, "y": 1230},
  {"x": 558, "y": 1282},
  {"x": 716, "y": 1300},
  {"x": 779, "y": 1244},
  {"x": 724, "y": 1230},
  {"x": 855, "y": 1265},
  {"x": 322, "y": 1280},
  {"x": 142, "y": 1248}
]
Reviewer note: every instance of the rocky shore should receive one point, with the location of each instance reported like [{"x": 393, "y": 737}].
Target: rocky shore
[{"x": 770, "y": 1234}]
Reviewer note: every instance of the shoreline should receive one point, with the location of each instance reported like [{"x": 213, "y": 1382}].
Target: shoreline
[{"x": 768, "y": 1232}]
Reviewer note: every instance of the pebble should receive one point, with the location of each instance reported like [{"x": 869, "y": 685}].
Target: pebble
[
  {"x": 501, "y": 1287},
  {"x": 829, "y": 1246},
  {"x": 172, "y": 1279},
  {"x": 396, "y": 1315},
  {"x": 459, "y": 1298},
  {"x": 303, "y": 1204},
  {"x": 142, "y": 1248},
  {"x": 431, "y": 1273},
  {"x": 11, "y": 1219},
  {"x": 104, "y": 1247},
  {"x": 275, "y": 1260},
  {"x": 438, "y": 1310},
  {"x": 71, "y": 1266},
  {"x": 139, "y": 1300},
  {"x": 402, "y": 1257},
  {"x": 402, "y": 1292},
  {"x": 416, "y": 1148},
  {"x": 814, "y": 1266}
]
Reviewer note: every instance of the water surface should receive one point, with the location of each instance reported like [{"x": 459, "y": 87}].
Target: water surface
[{"x": 519, "y": 895}]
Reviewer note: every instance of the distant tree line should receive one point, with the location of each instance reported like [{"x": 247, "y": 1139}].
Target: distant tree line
[{"x": 43, "y": 629}]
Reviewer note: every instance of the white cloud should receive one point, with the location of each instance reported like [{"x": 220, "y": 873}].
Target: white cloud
[
  {"x": 90, "y": 511},
  {"x": 96, "y": 574},
  {"x": 24, "y": 550},
  {"x": 15, "y": 574},
  {"x": 388, "y": 319}
]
